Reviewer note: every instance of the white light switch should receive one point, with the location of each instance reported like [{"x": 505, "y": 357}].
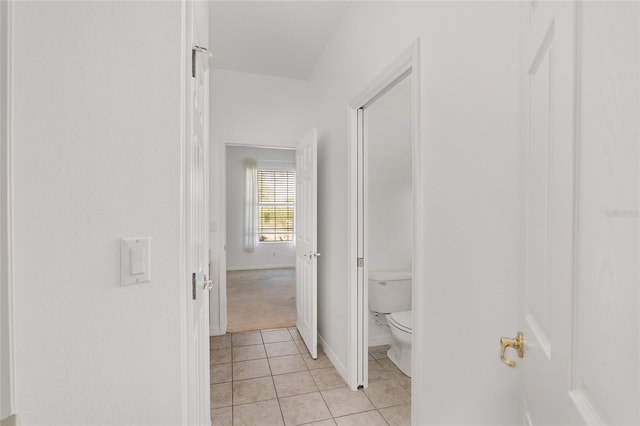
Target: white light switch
[{"x": 134, "y": 260}]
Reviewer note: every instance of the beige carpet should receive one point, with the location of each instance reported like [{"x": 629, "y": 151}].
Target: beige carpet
[{"x": 260, "y": 299}]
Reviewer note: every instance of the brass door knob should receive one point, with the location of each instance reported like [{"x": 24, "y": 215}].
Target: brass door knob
[{"x": 517, "y": 344}]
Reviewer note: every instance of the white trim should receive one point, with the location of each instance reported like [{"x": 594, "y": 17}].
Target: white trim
[
  {"x": 7, "y": 187},
  {"x": 407, "y": 63},
  {"x": 222, "y": 242},
  {"x": 216, "y": 331},
  {"x": 267, "y": 243},
  {"x": 576, "y": 394},
  {"x": 419, "y": 338},
  {"x": 184, "y": 61},
  {"x": 335, "y": 360},
  {"x": 222, "y": 229},
  {"x": 252, "y": 268},
  {"x": 351, "y": 376},
  {"x": 277, "y": 164},
  {"x": 268, "y": 145}
]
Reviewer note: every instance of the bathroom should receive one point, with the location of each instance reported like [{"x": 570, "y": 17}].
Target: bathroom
[{"x": 389, "y": 229}]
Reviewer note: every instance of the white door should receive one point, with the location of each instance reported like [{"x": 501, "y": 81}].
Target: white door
[
  {"x": 197, "y": 193},
  {"x": 580, "y": 261},
  {"x": 307, "y": 240}
]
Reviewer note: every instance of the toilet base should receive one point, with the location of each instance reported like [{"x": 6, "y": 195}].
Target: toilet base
[{"x": 401, "y": 358}]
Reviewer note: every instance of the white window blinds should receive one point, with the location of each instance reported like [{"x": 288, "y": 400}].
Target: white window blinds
[{"x": 276, "y": 205}]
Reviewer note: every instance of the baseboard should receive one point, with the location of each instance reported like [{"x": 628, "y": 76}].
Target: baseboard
[
  {"x": 380, "y": 340},
  {"x": 215, "y": 332},
  {"x": 340, "y": 368},
  {"x": 251, "y": 268},
  {"x": 9, "y": 421}
]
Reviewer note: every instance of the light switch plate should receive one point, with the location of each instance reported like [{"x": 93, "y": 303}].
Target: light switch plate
[{"x": 135, "y": 260}]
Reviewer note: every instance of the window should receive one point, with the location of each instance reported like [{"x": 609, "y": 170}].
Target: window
[{"x": 276, "y": 205}]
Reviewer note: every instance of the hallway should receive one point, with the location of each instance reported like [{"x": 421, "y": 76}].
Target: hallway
[{"x": 268, "y": 377}]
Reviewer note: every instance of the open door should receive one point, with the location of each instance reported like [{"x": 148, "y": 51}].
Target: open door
[
  {"x": 548, "y": 218},
  {"x": 196, "y": 181},
  {"x": 307, "y": 240},
  {"x": 580, "y": 271}
]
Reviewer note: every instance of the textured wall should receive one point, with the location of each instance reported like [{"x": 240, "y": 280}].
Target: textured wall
[
  {"x": 97, "y": 157},
  {"x": 469, "y": 187}
]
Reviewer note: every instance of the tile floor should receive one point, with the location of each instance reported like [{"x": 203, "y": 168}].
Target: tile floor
[{"x": 268, "y": 378}]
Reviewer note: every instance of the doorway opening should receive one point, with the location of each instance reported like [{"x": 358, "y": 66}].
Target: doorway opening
[
  {"x": 260, "y": 193},
  {"x": 385, "y": 212}
]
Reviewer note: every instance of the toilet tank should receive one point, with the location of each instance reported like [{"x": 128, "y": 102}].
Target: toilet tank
[{"x": 389, "y": 291}]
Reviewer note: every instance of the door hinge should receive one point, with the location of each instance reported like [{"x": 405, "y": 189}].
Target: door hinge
[
  {"x": 195, "y": 50},
  {"x": 360, "y": 262},
  {"x": 193, "y": 285},
  {"x": 193, "y": 66}
]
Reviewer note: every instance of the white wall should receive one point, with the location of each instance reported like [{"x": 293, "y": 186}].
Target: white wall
[
  {"x": 6, "y": 317},
  {"x": 389, "y": 238},
  {"x": 390, "y": 204},
  {"x": 255, "y": 110},
  {"x": 97, "y": 157},
  {"x": 266, "y": 255},
  {"x": 469, "y": 133}
]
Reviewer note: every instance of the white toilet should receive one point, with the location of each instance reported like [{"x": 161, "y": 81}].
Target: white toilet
[{"x": 390, "y": 294}]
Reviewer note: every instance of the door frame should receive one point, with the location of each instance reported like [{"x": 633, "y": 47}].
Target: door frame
[
  {"x": 185, "y": 280},
  {"x": 221, "y": 307},
  {"x": 6, "y": 204},
  {"x": 406, "y": 65}
]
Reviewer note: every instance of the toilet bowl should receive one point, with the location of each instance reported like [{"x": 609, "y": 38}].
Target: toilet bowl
[
  {"x": 390, "y": 298},
  {"x": 401, "y": 326}
]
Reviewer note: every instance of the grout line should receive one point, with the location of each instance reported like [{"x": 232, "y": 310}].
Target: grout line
[
  {"x": 383, "y": 417},
  {"x": 309, "y": 370},
  {"x": 275, "y": 390}
]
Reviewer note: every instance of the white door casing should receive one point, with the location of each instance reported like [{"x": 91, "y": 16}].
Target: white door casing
[
  {"x": 405, "y": 66},
  {"x": 580, "y": 261},
  {"x": 307, "y": 240},
  {"x": 7, "y": 403},
  {"x": 362, "y": 266},
  {"x": 364, "y": 246},
  {"x": 196, "y": 183}
]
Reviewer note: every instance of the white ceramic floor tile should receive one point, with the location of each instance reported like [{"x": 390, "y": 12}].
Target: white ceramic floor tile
[
  {"x": 294, "y": 384},
  {"x": 344, "y": 401},
  {"x": 287, "y": 364},
  {"x": 368, "y": 418},
  {"x": 258, "y": 413},
  {"x": 301, "y": 409},
  {"x": 246, "y": 353},
  {"x": 399, "y": 415},
  {"x": 251, "y": 369},
  {"x": 222, "y": 416},
  {"x": 253, "y": 390},
  {"x": 273, "y": 336},
  {"x": 267, "y": 377}
]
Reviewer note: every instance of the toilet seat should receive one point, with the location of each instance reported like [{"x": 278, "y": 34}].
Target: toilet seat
[{"x": 402, "y": 321}]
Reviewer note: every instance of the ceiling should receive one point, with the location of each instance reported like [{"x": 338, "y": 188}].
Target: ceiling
[{"x": 280, "y": 38}]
